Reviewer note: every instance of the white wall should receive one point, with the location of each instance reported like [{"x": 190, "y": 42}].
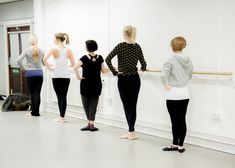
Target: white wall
[
  {"x": 208, "y": 26},
  {"x": 18, "y": 13},
  {"x": 2, "y": 67}
]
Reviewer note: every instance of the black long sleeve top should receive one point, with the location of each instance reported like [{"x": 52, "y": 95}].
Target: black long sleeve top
[{"x": 128, "y": 56}]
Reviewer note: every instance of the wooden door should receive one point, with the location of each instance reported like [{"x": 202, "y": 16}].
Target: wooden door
[{"x": 17, "y": 42}]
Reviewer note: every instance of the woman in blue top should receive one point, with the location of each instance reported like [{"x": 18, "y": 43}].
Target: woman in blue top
[
  {"x": 34, "y": 73},
  {"x": 90, "y": 86}
]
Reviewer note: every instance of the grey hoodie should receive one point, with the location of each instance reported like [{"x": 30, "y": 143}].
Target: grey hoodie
[
  {"x": 177, "y": 71},
  {"x": 30, "y": 64}
]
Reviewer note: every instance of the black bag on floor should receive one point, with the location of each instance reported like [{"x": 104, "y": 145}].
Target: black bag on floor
[
  {"x": 1, "y": 97},
  {"x": 16, "y": 102}
]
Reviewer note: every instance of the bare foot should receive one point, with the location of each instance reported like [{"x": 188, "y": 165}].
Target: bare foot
[
  {"x": 61, "y": 120},
  {"x": 124, "y": 136},
  {"x": 132, "y": 136},
  {"x": 28, "y": 114}
]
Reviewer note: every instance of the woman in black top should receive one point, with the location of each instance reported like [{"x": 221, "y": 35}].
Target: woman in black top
[
  {"x": 128, "y": 54},
  {"x": 90, "y": 86}
]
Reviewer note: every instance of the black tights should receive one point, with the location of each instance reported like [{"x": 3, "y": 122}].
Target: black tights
[
  {"x": 90, "y": 106},
  {"x": 61, "y": 86},
  {"x": 177, "y": 110},
  {"x": 34, "y": 86},
  {"x": 129, "y": 87}
]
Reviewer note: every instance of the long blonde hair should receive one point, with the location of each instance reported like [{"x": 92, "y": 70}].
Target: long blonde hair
[
  {"x": 62, "y": 37},
  {"x": 33, "y": 40},
  {"x": 130, "y": 32}
]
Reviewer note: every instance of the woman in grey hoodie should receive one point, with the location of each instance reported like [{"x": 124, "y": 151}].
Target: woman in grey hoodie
[
  {"x": 176, "y": 73},
  {"x": 34, "y": 73}
]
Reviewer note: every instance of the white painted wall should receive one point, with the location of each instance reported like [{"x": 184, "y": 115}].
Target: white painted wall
[
  {"x": 208, "y": 26},
  {"x": 18, "y": 13},
  {"x": 2, "y": 67}
]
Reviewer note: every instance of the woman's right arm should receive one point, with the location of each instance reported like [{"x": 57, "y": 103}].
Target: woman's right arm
[
  {"x": 71, "y": 57},
  {"x": 109, "y": 58},
  {"x": 191, "y": 72},
  {"x": 42, "y": 59},
  {"x": 76, "y": 71},
  {"x": 165, "y": 74},
  {"x": 104, "y": 69},
  {"x": 45, "y": 59},
  {"x": 20, "y": 60},
  {"x": 142, "y": 60}
]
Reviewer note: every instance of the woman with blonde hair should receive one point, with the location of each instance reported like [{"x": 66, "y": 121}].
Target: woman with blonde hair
[
  {"x": 128, "y": 54},
  {"x": 60, "y": 69},
  {"x": 34, "y": 73}
]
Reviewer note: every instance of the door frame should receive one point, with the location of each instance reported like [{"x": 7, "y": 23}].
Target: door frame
[
  {"x": 6, "y": 24},
  {"x": 22, "y": 85}
]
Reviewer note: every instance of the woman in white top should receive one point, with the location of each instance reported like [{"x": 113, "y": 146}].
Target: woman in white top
[
  {"x": 61, "y": 72},
  {"x": 176, "y": 73}
]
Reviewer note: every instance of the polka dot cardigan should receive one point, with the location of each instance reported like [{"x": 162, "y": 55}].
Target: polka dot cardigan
[{"x": 128, "y": 56}]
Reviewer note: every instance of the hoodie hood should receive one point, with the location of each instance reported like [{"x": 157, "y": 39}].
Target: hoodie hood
[
  {"x": 177, "y": 71},
  {"x": 184, "y": 61}
]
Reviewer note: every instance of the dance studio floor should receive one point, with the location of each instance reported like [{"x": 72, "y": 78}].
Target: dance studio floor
[{"x": 27, "y": 142}]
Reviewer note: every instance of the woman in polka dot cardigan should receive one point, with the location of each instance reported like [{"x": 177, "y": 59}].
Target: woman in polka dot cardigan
[{"x": 128, "y": 54}]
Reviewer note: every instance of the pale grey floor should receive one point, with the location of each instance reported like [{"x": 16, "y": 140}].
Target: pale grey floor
[{"x": 40, "y": 143}]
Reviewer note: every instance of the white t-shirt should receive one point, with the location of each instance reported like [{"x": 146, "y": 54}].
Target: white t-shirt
[{"x": 178, "y": 93}]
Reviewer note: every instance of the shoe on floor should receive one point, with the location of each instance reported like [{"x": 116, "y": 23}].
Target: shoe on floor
[
  {"x": 181, "y": 150},
  {"x": 36, "y": 115},
  {"x": 93, "y": 128},
  {"x": 170, "y": 148},
  {"x": 87, "y": 128}
]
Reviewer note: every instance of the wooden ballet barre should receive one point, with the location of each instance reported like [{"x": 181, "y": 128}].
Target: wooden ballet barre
[
  {"x": 213, "y": 73},
  {"x": 199, "y": 72},
  {"x": 153, "y": 70}
]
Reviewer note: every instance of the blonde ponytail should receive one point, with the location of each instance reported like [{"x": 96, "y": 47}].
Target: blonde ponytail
[
  {"x": 35, "y": 54},
  {"x": 67, "y": 38},
  {"x": 33, "y": 40}
]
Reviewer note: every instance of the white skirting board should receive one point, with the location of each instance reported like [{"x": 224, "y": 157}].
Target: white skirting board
[{"x": 214, "y": 142}]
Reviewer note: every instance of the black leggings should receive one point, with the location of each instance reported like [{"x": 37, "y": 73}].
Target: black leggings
[
  {"x": 61, "y": 86},
  {"x": 90, "y": 106},
  {"x": 177, "y": 110},
  {"x": 35, "y": 86},
  {"x": 129, "y": 87}
]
